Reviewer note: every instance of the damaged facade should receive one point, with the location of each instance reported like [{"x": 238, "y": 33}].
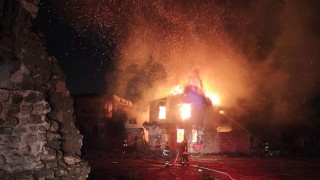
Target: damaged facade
[
  {"x": 38, "y": 138},
  {"x": 105, "y": 121},
  {"x": 192, "y": 117}
]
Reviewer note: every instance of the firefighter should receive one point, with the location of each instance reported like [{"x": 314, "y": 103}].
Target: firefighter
[
  {"x": 166, "y": 155},
  {"x": 124, "y": 148},
  {"x": 185, "y": 159},
  {"x": 184, "y": 152},
  {"x": 266, "y": 149}
]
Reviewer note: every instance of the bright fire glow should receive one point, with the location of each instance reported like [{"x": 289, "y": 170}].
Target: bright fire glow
[
  {"x": 176, "y": 90},
  {"x": 185, "y": 111},
  {"x": 162, "y": 112},
  {"x": 224, "y": 128},
  {"x": 194, "y": 135},
  {"x": 180, "y": 135},
  {"x": 213, "y": 97}
]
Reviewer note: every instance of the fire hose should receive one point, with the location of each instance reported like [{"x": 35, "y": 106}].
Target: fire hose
[
  {"x": 196, "y": 166},
  {"x": 221, "y": 172},
  {"x": 201, "y": 167},
  {"x": 175, "y": 161}
]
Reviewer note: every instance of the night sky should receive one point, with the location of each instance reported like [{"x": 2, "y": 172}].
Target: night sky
[
  {"x": 85, "y": 57},
  {"x": 261, "y": 58}
]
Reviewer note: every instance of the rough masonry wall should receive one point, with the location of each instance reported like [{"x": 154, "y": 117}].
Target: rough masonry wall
[
  {"x": 23, "y": 130},
  {"x": 38, "y": 138}
]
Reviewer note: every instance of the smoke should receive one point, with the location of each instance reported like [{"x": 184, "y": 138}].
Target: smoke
[
  {"x": 260, "y": 57},
  {"x": 182, "y": 37},
  {"x": 286, "y": 79}
]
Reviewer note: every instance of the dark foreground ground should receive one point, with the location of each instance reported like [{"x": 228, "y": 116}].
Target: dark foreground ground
[{"x": 204, "y": 167}]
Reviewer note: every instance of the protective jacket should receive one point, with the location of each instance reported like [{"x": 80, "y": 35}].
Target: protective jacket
[{"x": 166, "y": 156}]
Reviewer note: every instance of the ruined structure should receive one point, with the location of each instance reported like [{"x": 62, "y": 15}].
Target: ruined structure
[
  {"x": 38, "y": 138},
  {"x": 101, "y": 119},
  {"x": 105, "y": 121}
]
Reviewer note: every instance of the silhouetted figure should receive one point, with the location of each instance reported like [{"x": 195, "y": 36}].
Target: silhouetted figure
[
  {"x": 185, "y": 159},
  {"x": 266, "y": 149},
  {"x": 166, "y": 155},
  {"x": 124, "y": 148},
  {"x": 182, "y": 148}
]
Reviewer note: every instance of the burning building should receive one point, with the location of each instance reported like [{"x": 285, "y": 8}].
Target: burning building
[{"x": 192, "y": 116}]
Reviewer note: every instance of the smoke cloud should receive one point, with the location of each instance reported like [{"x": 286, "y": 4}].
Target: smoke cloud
[{"x": 260, "y": 57}]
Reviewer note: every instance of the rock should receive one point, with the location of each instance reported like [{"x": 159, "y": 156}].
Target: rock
[
  {"x": 26, "y": 109},
  {"x": 17, "y": 98},
  {"x": 30, "y": 7},
  {"x": 35, "y": 119},
  {"x": 49, "y": 174},
  {"x": 2, "y": 160},
  {"x": 51, "y": 165},
  {"x": 4, "y": 96},
  {"x": 61, "y": 172},
  {"x": 1, "y": 122},
  {"x": 5, "y": 130},
  {"x": 12, "y": 111},
  {"x": 11, "y": 122},
  {"x": 32, "y": 97},
  {"x": 53, "y": 136},
  {"x": 19, "y": 75},
  {"x": 71, "y": 159}
]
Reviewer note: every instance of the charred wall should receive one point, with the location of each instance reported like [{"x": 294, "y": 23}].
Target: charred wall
[
  {"x": 38, "y": 138},
  {"x": 99, "y": 125}
]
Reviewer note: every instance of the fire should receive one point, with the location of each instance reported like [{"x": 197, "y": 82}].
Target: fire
[
  {"x": 185, "y": 111},
  {"x": 162, "y": 112},
  {"x": 194, "y": 83},
  {"x": 180, "y": 135},
  {"x": 213, "y": 97},
  {"x": 176, "y": 90}
]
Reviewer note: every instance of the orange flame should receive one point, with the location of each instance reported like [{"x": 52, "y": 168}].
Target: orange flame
[
  {"x": 162, "y": 112},
  {"x": 215, "y": 99},
  {"x": 185, "y": 111},
  {"x": 176, "y": 90}
]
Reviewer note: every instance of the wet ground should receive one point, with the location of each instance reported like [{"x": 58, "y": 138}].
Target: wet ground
[{"x": 205, "y": 167}]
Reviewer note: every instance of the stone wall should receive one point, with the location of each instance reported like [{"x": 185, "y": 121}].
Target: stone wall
[
  {"x": 38, "y": 138},
  {"x": 23, "y": 129}
]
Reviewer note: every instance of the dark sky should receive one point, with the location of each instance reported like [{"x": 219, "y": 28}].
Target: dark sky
[
  {"x": 261, "y": 58},
  {"x": 85, "y": 57}
]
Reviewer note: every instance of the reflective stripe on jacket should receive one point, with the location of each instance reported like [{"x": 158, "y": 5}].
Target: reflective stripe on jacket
[{"x": 166, "y": 152}]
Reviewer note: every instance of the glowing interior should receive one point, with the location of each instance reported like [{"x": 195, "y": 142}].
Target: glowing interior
[
  {"x": 194, "y": 136},
  {"x": 180, "y": 135},
  {"x": 185, "y": 111},
  {"x": 162, "y": 112}
]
